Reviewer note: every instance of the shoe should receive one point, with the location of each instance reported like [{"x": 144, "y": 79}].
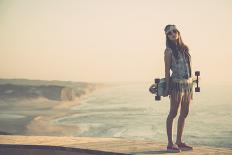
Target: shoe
[
  {"x": 184, "y": 146},
  {"x": 173, "y": 148}
]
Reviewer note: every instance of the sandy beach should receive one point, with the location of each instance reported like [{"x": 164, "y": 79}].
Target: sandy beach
[
  {"x": 26, "y": 115},
  {"x": 31, "y": 123}
]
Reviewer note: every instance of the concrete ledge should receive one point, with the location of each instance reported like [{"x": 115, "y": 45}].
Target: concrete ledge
[
  {"x": 10, "y": 149},
  {"x": 47, "y": 145}
]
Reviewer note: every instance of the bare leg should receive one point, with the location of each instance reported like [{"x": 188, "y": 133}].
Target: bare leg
[
  {"x": 183, "y": 114},
  {"x": 175, "y": 100}
]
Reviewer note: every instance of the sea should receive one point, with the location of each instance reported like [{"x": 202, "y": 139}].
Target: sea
[{"x": 130, "y": 111}]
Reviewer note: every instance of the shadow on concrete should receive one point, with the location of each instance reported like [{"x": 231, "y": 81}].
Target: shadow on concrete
[{"x": 13, "y": 149}]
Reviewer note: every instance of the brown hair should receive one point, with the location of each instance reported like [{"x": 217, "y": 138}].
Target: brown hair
[{"x": 180, "y": 45}]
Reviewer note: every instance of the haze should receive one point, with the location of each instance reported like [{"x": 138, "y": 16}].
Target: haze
[{"x": 111, "y": 40}]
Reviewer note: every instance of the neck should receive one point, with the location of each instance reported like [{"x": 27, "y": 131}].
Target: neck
[{"x": 174, "y": 42}]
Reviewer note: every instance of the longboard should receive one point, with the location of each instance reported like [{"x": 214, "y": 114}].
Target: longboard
[{"x": 158, "y": 87}]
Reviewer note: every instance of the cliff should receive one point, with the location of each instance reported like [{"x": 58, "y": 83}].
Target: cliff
[{"x": 52, "y": 90}]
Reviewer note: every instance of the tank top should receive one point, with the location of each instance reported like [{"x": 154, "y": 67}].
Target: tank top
[
  {"x": 181, "y": 77},
  {"x": 180, "y": 67}
]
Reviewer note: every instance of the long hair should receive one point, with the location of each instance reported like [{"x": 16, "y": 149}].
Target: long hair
[{"x": 180, "y": 46}]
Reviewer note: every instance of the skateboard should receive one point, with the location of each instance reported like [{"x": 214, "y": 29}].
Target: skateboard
[{"x": 159, "y": 87}]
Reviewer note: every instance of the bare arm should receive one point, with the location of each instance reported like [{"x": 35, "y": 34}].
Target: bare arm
[{"x": 167, "y": 61}]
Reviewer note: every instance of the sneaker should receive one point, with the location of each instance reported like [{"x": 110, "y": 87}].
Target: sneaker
[
  {"x": 173, "y": 148},
  {"x": 184, "y": 146}
]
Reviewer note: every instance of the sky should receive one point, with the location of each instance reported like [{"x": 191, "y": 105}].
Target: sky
[{"x": 111, "y": 40}]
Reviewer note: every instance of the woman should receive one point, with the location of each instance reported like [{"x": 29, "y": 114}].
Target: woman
[{"x": 178, "y": 85}]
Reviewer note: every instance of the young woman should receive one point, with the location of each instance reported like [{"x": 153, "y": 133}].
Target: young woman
[{"x": 179, "y": 85}]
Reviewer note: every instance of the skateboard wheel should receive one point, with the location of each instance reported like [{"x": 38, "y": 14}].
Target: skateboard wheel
[
  {"x": 157, "y": 98},
  {"x": 157, "y": 80},
  {"x": 197, "y": 89},
  {"x": 152, "y": 90},
  {"x": 197, "y": 73}
]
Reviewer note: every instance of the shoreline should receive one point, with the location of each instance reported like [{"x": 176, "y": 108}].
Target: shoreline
[{"x": 30, "y": 123}]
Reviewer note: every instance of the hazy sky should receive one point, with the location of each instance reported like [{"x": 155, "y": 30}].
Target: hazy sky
[{"x": 111, "y": 40}]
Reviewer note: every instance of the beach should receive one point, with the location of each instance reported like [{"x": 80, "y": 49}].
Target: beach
[{"x": 27, "y": 106}]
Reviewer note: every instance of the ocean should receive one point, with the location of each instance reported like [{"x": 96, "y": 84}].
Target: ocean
[{"x": 128, "y": 110}]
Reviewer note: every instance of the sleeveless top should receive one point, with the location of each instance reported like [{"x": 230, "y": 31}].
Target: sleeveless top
[
  {"x": 180, "y": 67},
  {"x": 181, "y": 77}
]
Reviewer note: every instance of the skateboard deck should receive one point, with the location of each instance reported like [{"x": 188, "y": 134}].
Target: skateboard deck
[{"x": 159, "y": 87}]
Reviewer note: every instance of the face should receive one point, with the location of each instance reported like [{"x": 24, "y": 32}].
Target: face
[{"x": 173, "y": 35}]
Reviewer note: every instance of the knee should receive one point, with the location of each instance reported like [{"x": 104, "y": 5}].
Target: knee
[
  {"x": 184, "y": 114},
  {"x": 172, "y": 115}
]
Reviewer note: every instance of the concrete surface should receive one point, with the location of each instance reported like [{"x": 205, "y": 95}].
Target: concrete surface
[{"x": 46, "y": 145}]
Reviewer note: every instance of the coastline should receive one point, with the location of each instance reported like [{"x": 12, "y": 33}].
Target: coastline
[
  {"x": 41, "y": 125},
  {"x": 28, "y": 122}
]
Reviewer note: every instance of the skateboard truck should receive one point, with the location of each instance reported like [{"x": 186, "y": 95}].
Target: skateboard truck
[
  {"x": 157, "y": 88},
  {"x": 154, "y": 89},
  {"x": 197, "y": 73},
  {"x": 157, "y": 97}
]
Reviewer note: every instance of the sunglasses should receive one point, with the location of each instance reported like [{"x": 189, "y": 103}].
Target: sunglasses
[{"x": 172, "y": 31}]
